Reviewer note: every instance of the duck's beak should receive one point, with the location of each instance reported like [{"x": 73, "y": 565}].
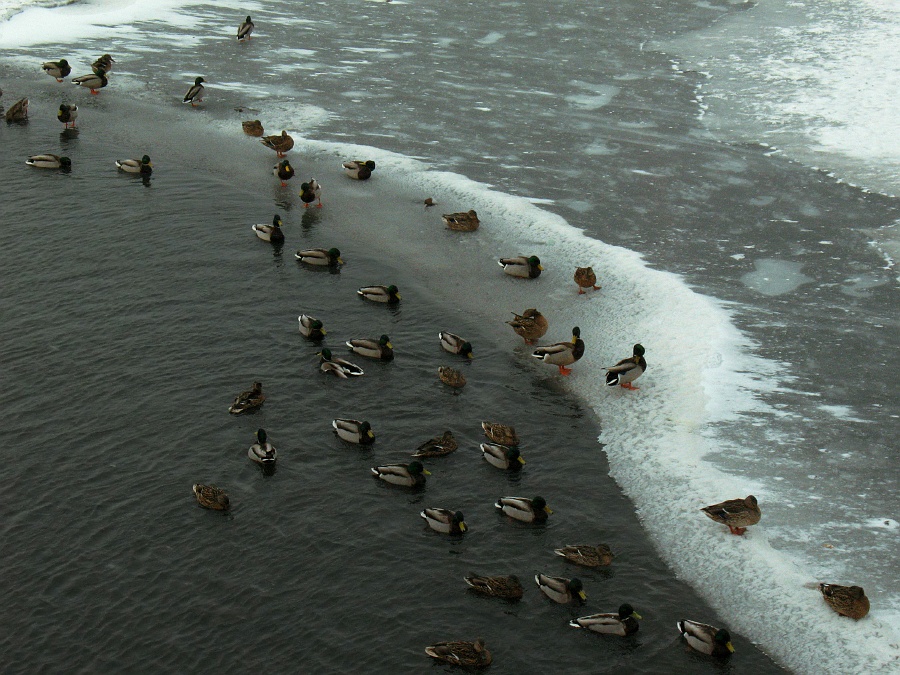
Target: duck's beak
[
  {"x": 340, "y": 261},
  {"x": 582, "y": 595},
  {"x": 470, "y": 355},
  {"x": 370, "y": 434},
  {"x": 547, "y": 509},
  {"x": 426, "y": 472},
  {"x": 324, "y": 332},
  {"x": 398, "y": 296},
  {"x": 462, "y": 527},
  {"x": 540, "y": 267},
  {"x": 729, "y": 646},
  {"x": 389, "y": 345},
  {"x": 636, "y": 615},
  {"x": 521, "y": 459}
]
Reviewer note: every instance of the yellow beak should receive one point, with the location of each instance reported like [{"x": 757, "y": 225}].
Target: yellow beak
[
  {"x": 729, "y": 647},
  {"x": 636, "y": 615},
  {"x": 389, "y": 345},
  {"x": 426, "y": 472},
  {"x": 521, "y": 459},
  {"x": 547, "y": 509},
  {"x": 462, "y": 527},
  {"x": 582, "y": 595},
  {"x": 540, "y": 267}
]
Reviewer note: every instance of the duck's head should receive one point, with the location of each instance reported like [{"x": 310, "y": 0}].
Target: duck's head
[
  {"x": 335, "y": 255},
  {"x": 248, "y": 20},
  {"x": 627, "y": 610},
  {"x": 365, "y": 429},
  {"x": 65, "y": 162},
  {"x": 198, "y": 81},
  {"x": 639, "y": 350},
  {"x": 513, "y": 454},
  {"x": 472, "y": 214},
  {"x": 385, "y": 341},
  {"x": 466, "y": 350},
  {"x": 459, "y": 519},
  {"x": 750, "y": 501},
  {"x": 276, "y": 220},
  {"x": 369, "y": 164},
  {"x": 393, "y": 290},
  {"x": 576, "y": 333},
  {"x": 415, "y": 468},
  {"x": 63, "y": 63},
  {"x": 723, "y": 637},
  {"x": 63, "y": 107},
  {"x": 576, "y": 587},
  {"x": 316, "y": 324},
  {"x": 534, "y": 261},
  {"x": 539, "y": 503},
  {"x": 261, "y": 436},
  {"x": 257, "y": 387},
  {"x": 325, "y": 354},
  {"x": 146, "y": 160}
]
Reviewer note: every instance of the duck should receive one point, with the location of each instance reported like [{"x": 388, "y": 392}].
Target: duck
[
  {"x": 502, "y": 456},
  {"x": 407, "y": 475},
  {"x": 455, "y": 344},
  {"x": 627, "y": 371},
  {"x": 509, "y": 587},
  {"x": 262, "y": 452},
  {"x": 560, "y": 589},
  {"x": 280, "y": 143},
  {"x": 445, "y": 521},
  {"x": 248, "y": 400},
  {"x": 359, "y": 169},
  {"x": 18, "y": 111},
  {"x": 389, "y": 294},
  {"x": 211, "y": 497},
  {"x": 464, "y": 221},
  {"x": 142, "y": 166},
  {"x": 245, "y": 29},
  {"x": 311, "y": 327},
  {"x": 526, "y": 510},
  {"x": 354, "y": 431},
  {"x": 104, "y": 63},
  {"x": 705, "y": 638},
  {"x": 526, "y": 267},
  {"x": 283, "y": 171},
  {"x": 310, "y": 192},
  {"x": 623, "y": 622},
  {"x": 381, "y": 348},
  {"x": 334, "y": 369},
  {"x": 194, "y": 95},
  {"x": 737, "y": 514},
  {"x": 429, "y": 201},
  {"x": 585, "y": 278},
  {"x": 846, "y": 600},
  {"x": 562, "y": 354},
  {"x": 58, "y": 69},
  {"x": 93, "y": 81},
  {"x": 529, "y": 325},
  {"x": 252, "y": 128},
  {"x": 49, "y": 162},
  {"x": 500, "y": 433},
  {"x": 451, "y": 377},
  {"x": 321, "y": 257},
  {"x": 67, "y": 114},
  {"x": 437, "y": 446},
  {"x": 461, "y": 653},
  {"x": 586, "y": 556},
  {"x": 272, "y": 233},
  {"x": 349, "y": 368}
]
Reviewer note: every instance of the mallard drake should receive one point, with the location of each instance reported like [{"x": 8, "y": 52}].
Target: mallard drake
[
  {"x": 497, "y": 587},
  {"x": 437, "y": 446},
  {"x": 252, "y": 128},
  {"x": 93, "y": 81},
  {"x": 737, "y": 514},
  {"x": 58, "y": 69},
  {"x": 585, "y": 278},
  {"x": 104, "y": 63},
  {"x": 445, "y": 521},
  {"x": 310, "y": 192},
  {"x": 526, "y": 510},
  {"x": 67, "y": 114},
  {"x": 321, "y": 257},
  {"x": 502, "y": 456},
  {"x": 500, "y": 433},
  {"x": 529, "y": 325},
  {"x": 705, "y": 638},
  {"x": 562, "y": 354},
  {"x": 49, "y": 162},
  {"x": 349, "y": 368},
  {"x": 407, "y": 475},
  {"x": 627, "y": 371},
  {"x": 245, "y": 29},
  {"x": 280, "y": 143},
  {"x": 389, "y": 294},
  {"x": 560, "y": 589},
  {"x": 283, "y": 171},
  {"x": 18, "y": 111},
  {"x": 142, "y": 166},
  {"x": 461, "y": 653},
  {"x": 248, "y": 400},
  {"x": 451, "y": 377},
  {"x": 465, "y": 221},
  {"x": 354, "y": 431},
  {"x": 211, "y": 497},
  {"x": 262, "y": 452},
  {"x": 526, "y": 267},
  {"x": 194, "y": 95},
  {"x": 374, "y": 349},
  {"x": 624, "y": 622},
  {"x": 272, "y": 233},
  {"x": 311, "y": 327},
  {"x": 359, "y": 169},
  {"x": 587, "y": 556},
  {"x": 455, "y": 344},
  {"x": 846, "y": 600}
]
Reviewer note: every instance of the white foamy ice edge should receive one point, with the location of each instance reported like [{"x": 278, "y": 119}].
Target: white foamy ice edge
[
  {"x": 37, "y": 25},
  {"x": 700, "y": 372}
]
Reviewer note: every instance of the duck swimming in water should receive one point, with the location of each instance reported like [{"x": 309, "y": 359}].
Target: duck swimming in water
[
  {"x": 272, "y": 233},
  {"x": 142, "y": 166}
]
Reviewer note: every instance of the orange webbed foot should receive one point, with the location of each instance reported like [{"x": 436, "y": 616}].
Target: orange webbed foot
[{"x": 564, "y": 371}]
